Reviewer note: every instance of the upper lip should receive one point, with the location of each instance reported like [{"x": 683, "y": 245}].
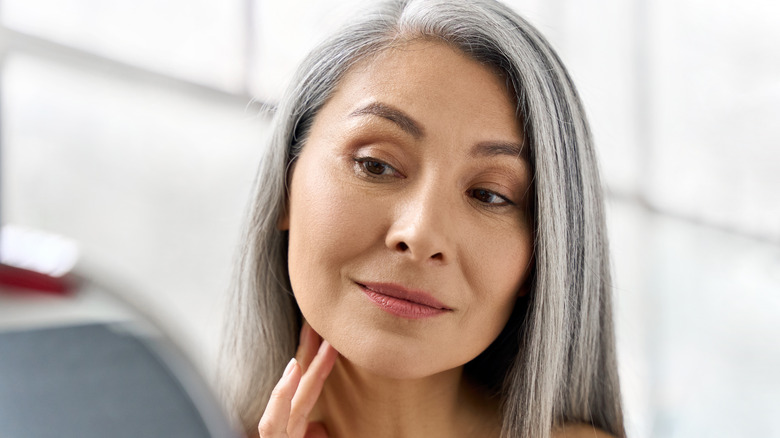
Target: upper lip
[{"x": 397, "y": 291}]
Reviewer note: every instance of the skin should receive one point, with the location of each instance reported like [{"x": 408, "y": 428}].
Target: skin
[
  {"x": 294, "y": 397},
  {"x": 411, "y": 175},
  {"x": 431, "y": 210}
]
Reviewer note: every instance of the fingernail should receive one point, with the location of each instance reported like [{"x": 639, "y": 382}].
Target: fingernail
[
  {"x": 290, "y": 367},
  {"x": 323, "y": 346}
]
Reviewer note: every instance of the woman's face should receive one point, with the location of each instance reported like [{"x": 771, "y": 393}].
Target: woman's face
[{"x": 409, "y": 240}]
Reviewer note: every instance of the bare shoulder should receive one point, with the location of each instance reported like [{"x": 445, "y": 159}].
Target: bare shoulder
[{"x": 579, "y": 431}]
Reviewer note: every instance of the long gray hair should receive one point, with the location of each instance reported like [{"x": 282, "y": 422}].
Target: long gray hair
[{"x": 554, "y": 363}]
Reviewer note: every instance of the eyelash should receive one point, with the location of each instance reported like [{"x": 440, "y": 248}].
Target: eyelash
[
  {"x": 504, "y": 201},
  {"x": 364, "y": 162}
]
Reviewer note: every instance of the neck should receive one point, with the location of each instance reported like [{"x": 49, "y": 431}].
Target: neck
[{"x": 357, "y": 403}]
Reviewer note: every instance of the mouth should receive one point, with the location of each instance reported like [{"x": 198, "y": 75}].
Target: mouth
[{"x": 403, "y": 302}]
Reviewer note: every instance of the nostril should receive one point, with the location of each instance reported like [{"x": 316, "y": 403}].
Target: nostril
[
  {"x": 402, "y": 246},
  {"x": 438, "y": 256}
]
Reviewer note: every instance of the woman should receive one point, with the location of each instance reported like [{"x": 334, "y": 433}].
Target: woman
[{"x": 427, "y": 240}]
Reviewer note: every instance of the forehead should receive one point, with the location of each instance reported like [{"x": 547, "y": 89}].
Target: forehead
[{"x": 435, "y": 84}]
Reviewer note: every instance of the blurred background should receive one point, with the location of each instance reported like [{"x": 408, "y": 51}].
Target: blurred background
[{"x": 133, "y": 129}]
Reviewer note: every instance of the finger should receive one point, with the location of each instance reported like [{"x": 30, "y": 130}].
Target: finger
[
  {"x": 307, "y": 347},
  {"x": 276, "y": 417},
  {"x": 311, "y": 383}
]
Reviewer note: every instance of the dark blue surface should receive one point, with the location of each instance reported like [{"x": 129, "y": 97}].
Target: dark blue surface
[{"x": 91, "y": 381}]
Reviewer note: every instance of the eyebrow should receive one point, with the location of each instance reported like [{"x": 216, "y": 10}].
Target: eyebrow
[
  {"x": 497, "y": 148},
  {"x": 404, "y": 121},
  {"x": 409, "y": 125}
]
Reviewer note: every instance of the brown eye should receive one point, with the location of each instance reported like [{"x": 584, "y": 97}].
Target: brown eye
[
  {"x": 488, "y": 197},
  {"x": 374, "y": 167}
]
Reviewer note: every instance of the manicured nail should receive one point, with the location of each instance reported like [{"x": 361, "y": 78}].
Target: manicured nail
[
  {"x": 323, "y": 346},
  {"x": 290, "y": 367}
]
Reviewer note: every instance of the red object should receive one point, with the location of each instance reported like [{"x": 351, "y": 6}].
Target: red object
[{"x": 34, "y": 281}]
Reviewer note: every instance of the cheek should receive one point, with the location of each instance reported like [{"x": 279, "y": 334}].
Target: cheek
[
  {"x": 498, "y": 272},
  {"x": 512, "y": 268},
  {"x": 328, "y": 230},
  {"x": 314, "y": 210},
  {"x": 499, "y": 260}
]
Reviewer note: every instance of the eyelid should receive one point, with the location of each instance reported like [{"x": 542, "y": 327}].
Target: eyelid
[
  {"x": 503, "y": 181},
  {"x": 382, "y": 151}
]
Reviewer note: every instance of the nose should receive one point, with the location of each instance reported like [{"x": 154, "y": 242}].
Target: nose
[{"x": 421, "y": 227}]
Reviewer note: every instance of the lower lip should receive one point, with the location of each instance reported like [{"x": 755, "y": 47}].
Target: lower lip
[{"x": 402, "y": 308}]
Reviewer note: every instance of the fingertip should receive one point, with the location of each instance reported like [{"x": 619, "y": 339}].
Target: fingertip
[
  {"x": 327, "y": 349},
  {"x": 296, "y": 372},
  {"x": 289, "y": 368},
  {"x": 291, "y": 376},
  {"x": 329, "y": 357},
  {"x": 324, "y": 347}
]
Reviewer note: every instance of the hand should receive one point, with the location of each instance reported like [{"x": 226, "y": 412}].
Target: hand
[{"x": 293, "y": 398}]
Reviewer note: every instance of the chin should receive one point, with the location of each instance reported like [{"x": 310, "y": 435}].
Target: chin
[
  {"x": 399, "y": 362},
  {"x": 390, "y": 347}
]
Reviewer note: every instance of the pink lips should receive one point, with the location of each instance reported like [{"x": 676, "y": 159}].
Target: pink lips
[{"x": 403, "y": 302}]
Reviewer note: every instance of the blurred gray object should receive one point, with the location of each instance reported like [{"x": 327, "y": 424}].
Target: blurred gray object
[{"x": 101, "y": 380}]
